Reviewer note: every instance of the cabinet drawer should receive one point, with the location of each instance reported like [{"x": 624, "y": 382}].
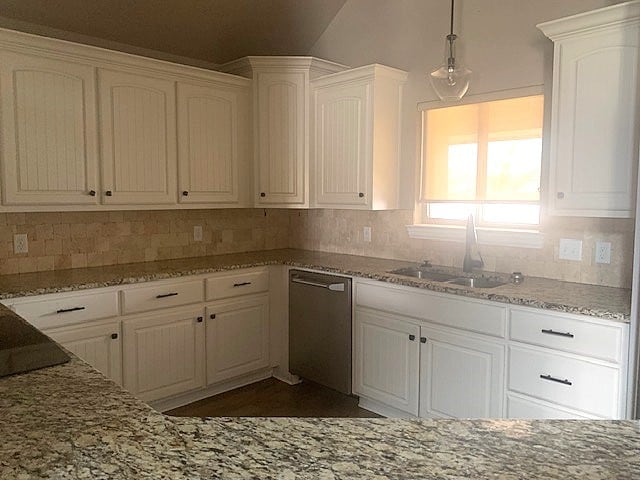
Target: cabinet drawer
[
  {"x": 152, "y": 297},
  {"x": 566, "y": 381},
  {"x": 568, "y": 334},
  {"x": 236, "y": 284},
  {"x": 57, "y": 312},
  {"x": 518, "y": 407},
  {"x": 453, "y": 312}
]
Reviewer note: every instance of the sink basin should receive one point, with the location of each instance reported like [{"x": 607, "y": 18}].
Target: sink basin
[
  {"x": 479, "y": 282},
  {"x": 424, "y": 273}
]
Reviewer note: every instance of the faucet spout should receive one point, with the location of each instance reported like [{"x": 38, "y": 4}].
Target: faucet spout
[{"x": 471, "y": 243}]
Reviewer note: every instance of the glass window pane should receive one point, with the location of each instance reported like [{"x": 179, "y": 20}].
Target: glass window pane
[
  {"x": 513, "y": 169},
  {"x": 450, "y": 211},
  {"x": 462, "y": 171},
  {"x": 514, "y": 214}
]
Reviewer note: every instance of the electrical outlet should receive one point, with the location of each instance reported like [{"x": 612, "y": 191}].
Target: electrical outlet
[
  {"x": 570, "y": 249},
  {"x": 197, "y": 233},
  {"x": 603, "y": 252},
  {"x": 20, "y": 243},
  {"x": 366, "y": 234}
]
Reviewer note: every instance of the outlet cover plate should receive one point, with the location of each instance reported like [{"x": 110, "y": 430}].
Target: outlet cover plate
[
  {"x": 603, "y": 252},
  {"x": 20, "y": 243},
  {"x": 570, "y": 249}
]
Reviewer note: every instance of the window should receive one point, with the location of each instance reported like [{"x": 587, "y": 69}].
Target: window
[{"x": 485, "y": 159}]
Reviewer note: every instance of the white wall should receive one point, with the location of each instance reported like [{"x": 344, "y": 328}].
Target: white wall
[{"x": 499, "y": 41}]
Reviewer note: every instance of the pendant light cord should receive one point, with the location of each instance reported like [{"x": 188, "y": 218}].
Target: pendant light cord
[{"x": 452, "y": 4}]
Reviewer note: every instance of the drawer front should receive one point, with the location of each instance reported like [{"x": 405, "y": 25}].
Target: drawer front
[
  {"x": 566, "y": 381},
  {"x": 521, "y": 408},
  {"x": 58, "y": 312},
  {"x": 236, "y": 284},
  {"x": 568, "y": 334},
  {"x": 153, "y": 297},
  {"x": 452, "y": 312}
]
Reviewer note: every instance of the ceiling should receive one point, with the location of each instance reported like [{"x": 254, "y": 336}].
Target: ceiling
[{"x": 214, "y": 31}]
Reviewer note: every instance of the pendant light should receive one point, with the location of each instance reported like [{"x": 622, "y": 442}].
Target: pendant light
[{"x": 451, "y": 79}]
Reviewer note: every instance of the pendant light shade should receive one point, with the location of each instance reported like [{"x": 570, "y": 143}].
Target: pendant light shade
[{"x": 451, "y": 79}]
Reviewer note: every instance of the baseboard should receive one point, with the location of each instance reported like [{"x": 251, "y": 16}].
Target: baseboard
[
  {"x": 190, "y": 397},
  {"x": 382, "y": 409}
]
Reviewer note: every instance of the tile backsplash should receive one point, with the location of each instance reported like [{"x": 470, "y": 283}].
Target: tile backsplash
[
  {"x": 341, "y": 231},
  {"x": 79, "y": 239}
]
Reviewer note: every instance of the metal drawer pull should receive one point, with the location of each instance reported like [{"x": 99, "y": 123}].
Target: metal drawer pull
[
  {"x": 557, "y": 380},
  {"x": 334, "y": 287},
  {"x": 423, "y": 339},
  {"x": 241, "y": 284},
  {"x": 114, "y": 336},
  {"x": 67, "y": 310},
  {"x": 560, "y": 334},
  {"x": 412, "y": 337},
  {"x": 165, "y": 295}
]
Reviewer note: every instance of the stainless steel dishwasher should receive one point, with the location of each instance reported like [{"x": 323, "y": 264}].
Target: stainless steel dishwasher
[{"x": 320, "y": 328}]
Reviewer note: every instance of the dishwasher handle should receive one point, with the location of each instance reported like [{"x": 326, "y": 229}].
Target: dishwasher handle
[{"x": 334, "y": 287}]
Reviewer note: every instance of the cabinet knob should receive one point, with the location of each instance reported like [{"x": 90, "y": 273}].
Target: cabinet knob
[
  {"x": 361, "y": 194},
  {"x": 108, "y": 193},
  {"x": 114, "y": 336},
  {"x": 185, "y": 194},
  {"x": 92, "y": 193},
  {"x": 412, "y": 337},
  {"x": 423, "y": 339},
  {"x": 199, "y": 319},
  {"x": 262, "y": 194},
  {"x": 212, "y": 316},
  {"x": 560, "y": 195}
]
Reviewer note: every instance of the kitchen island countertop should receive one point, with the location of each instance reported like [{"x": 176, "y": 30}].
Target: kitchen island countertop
[{"x": 599, "y": 301}]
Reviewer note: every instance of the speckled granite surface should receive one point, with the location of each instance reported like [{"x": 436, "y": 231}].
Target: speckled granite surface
[
  {"x": 603, "y": 302},
  {"x": 70, "y": 422}
]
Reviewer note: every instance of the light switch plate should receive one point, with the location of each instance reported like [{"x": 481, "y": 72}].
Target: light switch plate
[
  {"x": 197, "y": 233},
  {"x": 570, "y": 249},
  {"x": 603, "y": 252},
  {"x": 366, "y": 234}
]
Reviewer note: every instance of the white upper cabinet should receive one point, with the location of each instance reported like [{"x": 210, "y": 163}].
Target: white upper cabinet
[
  {"x": 49, "y": 140},
  {"x": 281, "y": 125},
  {"x": 594, "y": 119},
  {"x": 137, "y": 126},
  {"x": 357, "y": 138},
  {"x": 213, "y": 151}
]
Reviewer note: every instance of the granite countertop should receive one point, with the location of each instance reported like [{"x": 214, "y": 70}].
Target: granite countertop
[
  {"x": 70, "y": 422},
  {"x": 603, "y": 302}
]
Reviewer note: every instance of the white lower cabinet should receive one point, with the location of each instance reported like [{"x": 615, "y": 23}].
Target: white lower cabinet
[
  {"x": 460, "y": 376},
  {"x": 237, "y": 337},
  {"x": 97, "y": 343},
  {"x": 387, "y": 359},
  {"x": 163, "y": 353}
]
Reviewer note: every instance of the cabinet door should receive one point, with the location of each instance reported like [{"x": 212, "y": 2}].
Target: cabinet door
[
  {"x": 138, "y": 132},
  {"x": 237, "y": 338},
  {"x": 342, "y": 145},
  {"x": 208, "y": 136},
  {"x": 460, "y": 376},
  {"x": 48, "y": 125},
  {"x": 282, "y": 149},
  {"x": 97, "y": 344},
  {"x": 595, "y": 127},
  {"x": 386, "y": 359},
  {"x": 163, "y": 354}
]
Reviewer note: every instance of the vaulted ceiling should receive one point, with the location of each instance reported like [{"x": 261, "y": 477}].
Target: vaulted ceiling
[{"x": 215, "y": 31}]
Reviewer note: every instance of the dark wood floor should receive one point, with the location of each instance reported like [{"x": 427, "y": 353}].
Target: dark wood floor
[{"x": 273, "y": 398}]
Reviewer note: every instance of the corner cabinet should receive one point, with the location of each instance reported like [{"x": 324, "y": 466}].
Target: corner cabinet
[
  {"x": 595, "y": 112},
  {"x": 49, "y": 131},
  {"x": 356, "y": 151},
  {"x": 281, "y": 105}
]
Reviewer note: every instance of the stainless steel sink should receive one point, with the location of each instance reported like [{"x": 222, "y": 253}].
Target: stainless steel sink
[
  {"x": 477, "y": 282},
  {"x": 426, "y": 274}
]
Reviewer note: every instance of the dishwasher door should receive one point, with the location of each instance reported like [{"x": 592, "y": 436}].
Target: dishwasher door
[{"x": 320, "y": 328}]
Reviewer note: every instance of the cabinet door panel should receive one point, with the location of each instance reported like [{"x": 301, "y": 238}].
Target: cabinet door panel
[
  {"x": 386, "y": 360},
  {"x": 208, "y": 144},
  {"x": 49, "y": 146},
  {"x": 342, "y": 145},
  {"x": 95, "y": 344},
  {"x": 163, "y": 354},
  {"x": 138, "y": 138},
  {"x": 237, "y": 338},
  {"x": 460, "y": 377},
  {"x": 281, "y": 140}
]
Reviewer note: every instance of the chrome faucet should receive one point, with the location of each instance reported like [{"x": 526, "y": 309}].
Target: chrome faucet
[{"x": 469, "y": 263}]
